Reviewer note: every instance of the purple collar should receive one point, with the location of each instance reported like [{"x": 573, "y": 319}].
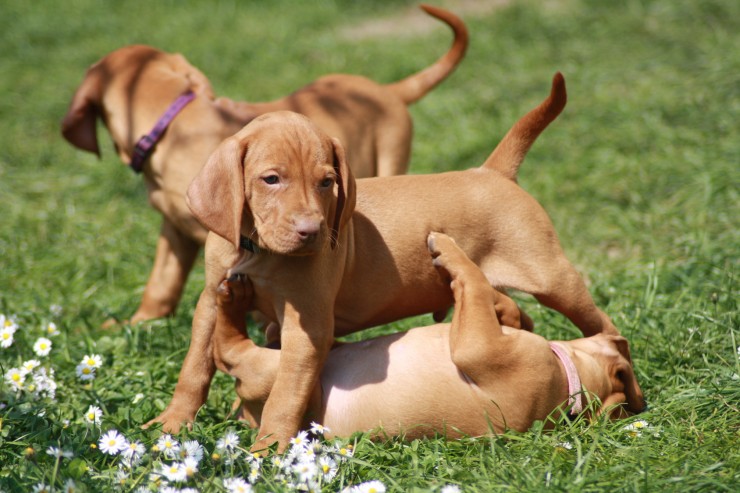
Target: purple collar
[
  {"x": 574, "y": 381},
  {"x": 145, "y": 146}
]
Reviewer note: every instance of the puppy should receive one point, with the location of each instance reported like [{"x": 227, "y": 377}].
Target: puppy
[
  {"x": 279, "y": 199},
  {"x": 471, "y": 377},
  {"x": 131, "y": 88}
]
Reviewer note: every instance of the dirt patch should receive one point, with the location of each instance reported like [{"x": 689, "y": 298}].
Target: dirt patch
[{"x": 412, "y": 21}]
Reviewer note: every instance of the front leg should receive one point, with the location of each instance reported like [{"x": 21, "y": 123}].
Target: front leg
[
  {"x": 173, "y": 261},
  {"x": 307, "y": 333},
  {"x": 253, "y": 367},
  {"x": 199, "y": 367}
]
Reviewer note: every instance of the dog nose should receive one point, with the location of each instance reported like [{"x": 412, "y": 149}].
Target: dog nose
[{"x": 307, "y": 228}]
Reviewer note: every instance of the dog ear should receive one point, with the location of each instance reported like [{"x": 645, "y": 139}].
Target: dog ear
[
  {"x": 216, "y": 194},
  {"x": 79, "y": 124},
  {"x": 623, "y": 372},
  {"x": 346, "y": 194}
]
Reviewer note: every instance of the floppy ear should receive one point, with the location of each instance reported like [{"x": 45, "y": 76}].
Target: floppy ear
[
  {"x": 78, "y": 125},
  {"x": 216, "y": 194},
  {"x": 631, "y": 393},
  {"x": 346, "y": 194}
]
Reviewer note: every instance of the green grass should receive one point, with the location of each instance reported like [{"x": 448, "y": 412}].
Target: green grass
[{"x": 640, "y": 176}]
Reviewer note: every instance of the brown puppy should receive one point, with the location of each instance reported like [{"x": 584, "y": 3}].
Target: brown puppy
[
  {"x": 470, "y": 377},
  {"x": 132, "y": 87},
  {"x": 320, "y": 270}
]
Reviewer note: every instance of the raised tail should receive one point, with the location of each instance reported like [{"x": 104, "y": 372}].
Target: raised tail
[
  {"x": 414, "y": 87},
  {"x": 510, "y": 152}
]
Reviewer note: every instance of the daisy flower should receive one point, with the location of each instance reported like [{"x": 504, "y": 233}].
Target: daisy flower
[
  {"x": 168, "y": 446},
  {"x": 15, "y": 377},
  {"x": 69, "y": 487},
  {"x": 318, "y": 429},
  {"x": 371, "y": 487},
  {"x": 300, "y": 441},
  {"x": 133, "y": 452},
  {"x": 192, "y": 450},
  {"x": 93, "y": 415},
  {"x": 31, "y": 365},
  {"x": 41, "y": 488},
  {"x": 254, "y": 474},
  {"x": 328, "y": 467},
  {"x": 92, "y": 360},
  {"x": 189, "y": 467},
  {"x": 228, "y": 442},
  {"x": 237, "y": 485},
  {"x": 42, "y": 347},
  {"x": 450, "y": 488},
  {"x": 84, "y": 372},
  {"x": 6, "y": 336},
  {"x": 112, "y": 443},
  {"x": 59, "y": 453},
  {"x": 51, "y": 329},
  {"x": 173, "y": 472}
]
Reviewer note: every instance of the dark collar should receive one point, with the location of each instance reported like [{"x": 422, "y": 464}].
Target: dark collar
[
  {"x": 248, "y": 245},
  {"x": 145, "y": 146}
]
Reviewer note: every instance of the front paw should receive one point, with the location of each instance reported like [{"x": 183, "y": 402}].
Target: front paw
[
  {"x": 446, "y": 255},
  {"x": 233, "y": 292}
]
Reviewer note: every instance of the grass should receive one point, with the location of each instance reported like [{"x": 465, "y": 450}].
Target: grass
[{"x": 640, "y": 176}]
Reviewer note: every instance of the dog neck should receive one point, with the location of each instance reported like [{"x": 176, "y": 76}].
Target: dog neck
[
  {"x": 247, "y": 244},
  {"x": 574, "y": 381},
  {"x": 145, "y": 145}
]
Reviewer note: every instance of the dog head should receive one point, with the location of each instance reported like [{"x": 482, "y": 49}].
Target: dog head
[
  {"x": 605, "y": 367},
  {"x": 122, "y": 89},
  {"x": 281, "y": 182}
]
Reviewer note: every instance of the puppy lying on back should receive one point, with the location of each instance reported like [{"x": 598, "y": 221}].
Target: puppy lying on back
[
  {"x": 469, "y": 377},
  {"x": 131, "y": 88}
]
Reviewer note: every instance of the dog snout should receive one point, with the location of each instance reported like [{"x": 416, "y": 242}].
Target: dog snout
[{"x": 307, "y": 228}]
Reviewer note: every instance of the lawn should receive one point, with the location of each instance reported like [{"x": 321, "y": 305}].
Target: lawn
[{"x": 640, "y": 175}]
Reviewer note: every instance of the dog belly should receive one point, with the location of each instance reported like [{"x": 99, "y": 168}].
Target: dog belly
[{"x": 403, "y": 383}]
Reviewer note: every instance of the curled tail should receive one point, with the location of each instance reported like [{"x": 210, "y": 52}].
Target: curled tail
[
  {"x": 414, "y": 87},
  {"x": 510, "y": 152}
]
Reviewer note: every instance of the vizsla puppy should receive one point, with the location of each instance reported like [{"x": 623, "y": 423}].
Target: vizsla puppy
[
  {"x": 471, "y": 377},
  {"x": 279, "y": 200},
  {"x": 131, "y": 88}
]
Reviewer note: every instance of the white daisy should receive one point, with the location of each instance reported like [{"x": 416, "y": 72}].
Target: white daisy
[
  {"x": 228, "y": 442},
  {"x": 173, "y": 472},
  {"x": 31, "y": 365},
  {"x": 51, "y": 329},
  {"x": 371, "y": 487},
  {"x": 69, "y": 486},
  {"x": 93, "y": 415},
  {"x": 92, "y": 360},
  {"x": 192, "y": 450},
  {"x": 42, "y": 347},
  {"x": 85, "y": 372},
  {"x": 318, "y": 429},
  {"x": 133, "y": 452},
  {"x": 168, "y": 446},
  {"x": 59, "y": 453},
  {"x": 41, "y": 488},
  {"x": 237, "y": 485},
  {"x": 327, "y": 467},
  {"x": 189, "y": 467},
  {"x": 300, "y": 441},
  {"x": 112, "y": 443},
  {"x": 6, "y": 336},
  {"x": 15, "y": 377},
  {"x": 450, "y": 488}
]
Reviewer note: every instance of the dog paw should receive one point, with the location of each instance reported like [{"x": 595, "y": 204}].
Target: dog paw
[
  {"x": 446, "y": 254},
  {"x": 233, "y": 290}
]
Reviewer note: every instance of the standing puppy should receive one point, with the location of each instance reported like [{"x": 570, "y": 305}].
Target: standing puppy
[
  {"x": 133, "y": 87},
  {"x": 279, "y": 200},
  {"x": 471, "y": 377}
]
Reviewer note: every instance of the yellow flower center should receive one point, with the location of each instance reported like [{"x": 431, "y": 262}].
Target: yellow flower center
[{"x": 16, "y": 377}]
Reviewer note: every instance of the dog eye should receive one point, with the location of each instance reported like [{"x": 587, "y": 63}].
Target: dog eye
[
  {"x": 327, "y": 182},
  {"x": 271, "y": 179}
]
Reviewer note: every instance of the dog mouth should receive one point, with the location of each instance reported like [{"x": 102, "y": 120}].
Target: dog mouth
[{"x": 291, "y": 242}]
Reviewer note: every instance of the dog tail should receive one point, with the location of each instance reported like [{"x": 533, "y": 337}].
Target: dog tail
[
  {"x": 510, "y": 152},
  {"x": 414, "y": 87}
]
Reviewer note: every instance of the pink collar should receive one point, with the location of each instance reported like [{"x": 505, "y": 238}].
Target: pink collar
[
  {"x": 574, "y": 381},
  {"x": 145, "y": 146}
]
